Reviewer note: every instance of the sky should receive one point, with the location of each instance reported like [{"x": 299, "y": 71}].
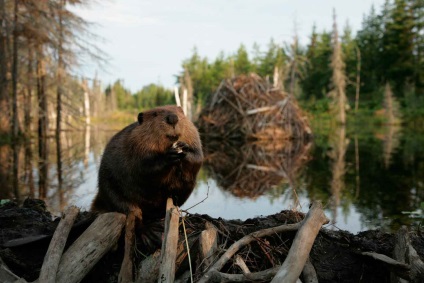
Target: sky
[{"x": 147, "y": 41}]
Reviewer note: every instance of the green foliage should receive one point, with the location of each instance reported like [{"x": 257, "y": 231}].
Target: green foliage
[{"x": 151, "y": 96}]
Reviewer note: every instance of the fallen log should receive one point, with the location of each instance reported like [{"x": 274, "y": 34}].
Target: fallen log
[{"x": 90, "y": 247}]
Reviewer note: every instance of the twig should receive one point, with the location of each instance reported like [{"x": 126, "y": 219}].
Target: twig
[
  {"x": 244, "y": 241},
  {"x": 188, "y": 250}
]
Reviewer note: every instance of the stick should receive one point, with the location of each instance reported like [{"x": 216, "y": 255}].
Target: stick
[
  {"x": 208, "y": 242},
  {"x": 240, "y": 263},
  {"x": 302, "y": 244},
  {"x": 90, "y": 247},
  {"x": 57, "y": 244},
  {"x": 309, "y": 273},
  {"x": 245, "y": 241},
  {"x": 126, "y": 272},
  {"x": 6, "y": 275},
  {"x": 264, "y": 275},
  {"x": 170, "y": 243}
]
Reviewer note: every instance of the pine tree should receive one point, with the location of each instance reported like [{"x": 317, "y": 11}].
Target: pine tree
[
  {"x": 369, "y": 41},
  {"x": 241, "y": 61},
  {"x": 398, "y": 46}
]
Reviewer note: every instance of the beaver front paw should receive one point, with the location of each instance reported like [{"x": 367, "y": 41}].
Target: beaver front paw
[{"x": 177, "y": 151}]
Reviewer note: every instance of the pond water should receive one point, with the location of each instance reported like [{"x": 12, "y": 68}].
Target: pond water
[{"x": 366, "y": 178}]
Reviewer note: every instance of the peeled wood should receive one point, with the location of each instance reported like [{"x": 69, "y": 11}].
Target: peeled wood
[
  {"x": 302, "y": 244},
  {"x": 208, "y": 242},
  {"x": 90, "y": 247},
  {"x": 126, "y": 272},
  {"x": 57, "y": 244},
  {"x": 169, "y": 244}
]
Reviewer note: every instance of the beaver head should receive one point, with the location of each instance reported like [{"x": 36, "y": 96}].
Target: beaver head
[{"x": 160, "y": 127}]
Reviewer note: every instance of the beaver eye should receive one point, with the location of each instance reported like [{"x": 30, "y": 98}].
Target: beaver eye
[{"x": 155, "y": 114}]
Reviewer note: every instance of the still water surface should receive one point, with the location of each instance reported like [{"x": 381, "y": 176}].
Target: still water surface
[{"x": 365, "y": 178}]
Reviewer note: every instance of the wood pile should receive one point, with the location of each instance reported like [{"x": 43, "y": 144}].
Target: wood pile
[
  {"x": 248, "y": 107},
  {"x": 283, "y": 247}
]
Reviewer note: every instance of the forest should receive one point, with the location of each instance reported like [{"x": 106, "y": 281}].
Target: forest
[{"x": 44, "y": 43}]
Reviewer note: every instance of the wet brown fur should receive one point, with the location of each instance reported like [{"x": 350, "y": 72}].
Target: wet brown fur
[{"x": 141, "y": 169}]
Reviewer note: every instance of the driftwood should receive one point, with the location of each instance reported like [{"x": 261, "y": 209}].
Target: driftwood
[
  {"x": 169, "y": 244},
  {"x": 57, "y": 244},
  {"x": 302, "y": 244},
  {"x": 90, "y": 247}
]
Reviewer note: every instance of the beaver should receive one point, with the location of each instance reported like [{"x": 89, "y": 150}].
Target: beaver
[{"x": 147, "y": 162}]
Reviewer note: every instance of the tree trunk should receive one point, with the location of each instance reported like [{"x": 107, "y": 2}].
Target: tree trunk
[
  {"x": 4, "y": 97},
  {"x": 42, "y": 123},
  {"x": 15, "y": 120}
]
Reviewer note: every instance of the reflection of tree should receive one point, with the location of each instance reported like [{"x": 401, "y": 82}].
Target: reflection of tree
[
  {"x": 338, "y": 144},
  {"x": 250, "y": 169},
  {"x": 390, "y": 142}
]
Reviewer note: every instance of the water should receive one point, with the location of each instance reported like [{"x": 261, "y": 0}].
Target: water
[{"x": 365, "y": 178}]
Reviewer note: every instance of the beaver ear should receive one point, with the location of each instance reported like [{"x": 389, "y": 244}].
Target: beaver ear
[{"x": 140, "y": 118}]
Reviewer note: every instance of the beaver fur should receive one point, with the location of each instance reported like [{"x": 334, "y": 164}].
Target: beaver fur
[{"x": 148, "y": 161}]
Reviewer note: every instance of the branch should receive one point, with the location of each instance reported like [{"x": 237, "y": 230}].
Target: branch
[
  {"x": 57, "y": 244},
  {"x": 243, "y": 242},
  {"x": 302, "y": 244}
]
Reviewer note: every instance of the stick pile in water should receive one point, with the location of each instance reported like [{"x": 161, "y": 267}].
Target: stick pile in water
[{"x": 249, "y": 107}]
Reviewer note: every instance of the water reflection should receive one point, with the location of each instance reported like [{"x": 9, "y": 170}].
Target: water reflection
[
  {"x": 253, "y": 168},
  {"x": 365, "y": 179}
]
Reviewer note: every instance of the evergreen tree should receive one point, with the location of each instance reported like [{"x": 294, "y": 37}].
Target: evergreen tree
[
  {"x": 369, "y": 41},
  {"x": 241, "y": 61},
  {"x": 316, "y": 81},
  {"x": 349, "y": 48},
  {"x": 398, "y": 46}
]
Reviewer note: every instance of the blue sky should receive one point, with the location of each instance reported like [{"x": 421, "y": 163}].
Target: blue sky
[{"x": 146, "y": 41}]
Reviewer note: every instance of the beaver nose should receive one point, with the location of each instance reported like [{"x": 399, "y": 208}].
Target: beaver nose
[{"x": 172, "y": 119}]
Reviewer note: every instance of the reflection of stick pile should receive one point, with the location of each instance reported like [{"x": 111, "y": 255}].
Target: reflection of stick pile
[
  {"x": 254, "y": 168},
  {"x": 248, "y": 107}
]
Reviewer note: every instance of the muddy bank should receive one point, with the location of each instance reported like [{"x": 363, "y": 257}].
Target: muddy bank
[{"x": 337, "y": 256}]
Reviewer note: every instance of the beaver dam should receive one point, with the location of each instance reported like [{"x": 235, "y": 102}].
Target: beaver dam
[{"x": 84, "y": 247}]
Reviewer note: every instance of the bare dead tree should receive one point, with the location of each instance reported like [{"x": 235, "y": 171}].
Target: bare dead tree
[{"x": 339, "y": 77}]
